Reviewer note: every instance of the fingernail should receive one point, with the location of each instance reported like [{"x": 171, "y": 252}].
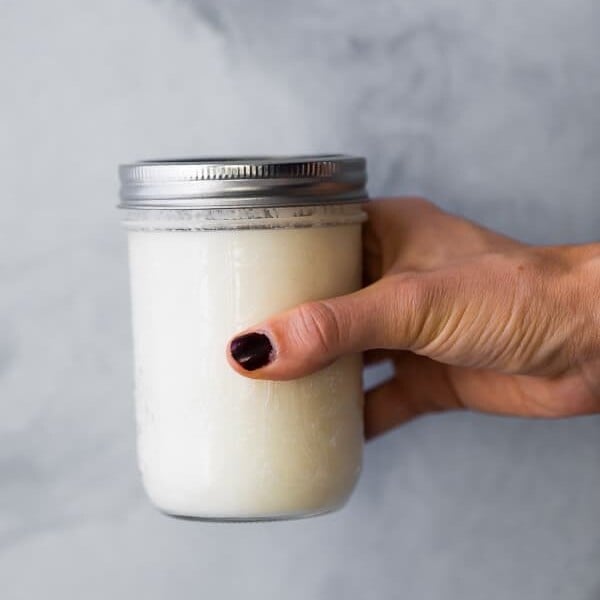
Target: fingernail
[{"x": 252, "y": 350}]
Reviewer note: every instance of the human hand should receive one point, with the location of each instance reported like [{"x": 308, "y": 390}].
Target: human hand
[{"x": 470, "y": 318}]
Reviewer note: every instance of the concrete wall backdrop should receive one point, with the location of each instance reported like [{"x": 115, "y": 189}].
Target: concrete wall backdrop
[{"x": 490, "y": 108}]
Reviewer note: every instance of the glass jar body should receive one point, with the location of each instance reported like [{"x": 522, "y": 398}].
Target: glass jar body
[{"x": 211, "y": 443}]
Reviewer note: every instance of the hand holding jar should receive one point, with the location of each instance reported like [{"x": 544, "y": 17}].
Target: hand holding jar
[
  {"x": 470, "y": 318},
  {"x": 257, "y": 264}
]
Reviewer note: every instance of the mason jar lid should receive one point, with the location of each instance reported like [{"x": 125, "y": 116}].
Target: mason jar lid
[{"x": 244, "y": 182}]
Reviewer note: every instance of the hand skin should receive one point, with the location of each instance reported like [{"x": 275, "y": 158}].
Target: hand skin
[{"x": 471, "y": 320}]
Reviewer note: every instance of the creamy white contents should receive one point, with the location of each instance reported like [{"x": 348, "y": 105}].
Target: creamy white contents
[{"x": 212, "y": 443}]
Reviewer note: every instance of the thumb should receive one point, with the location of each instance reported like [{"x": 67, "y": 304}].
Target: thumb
[{"x": 311, "y": 336}]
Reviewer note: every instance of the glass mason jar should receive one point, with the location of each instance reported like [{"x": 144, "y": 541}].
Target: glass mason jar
[{"x": 216, "y": 246}]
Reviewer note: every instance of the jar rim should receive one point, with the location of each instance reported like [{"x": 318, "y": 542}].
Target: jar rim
[
  {"x": 216, "y": 219},
  {"x": 240, "y": 182}
]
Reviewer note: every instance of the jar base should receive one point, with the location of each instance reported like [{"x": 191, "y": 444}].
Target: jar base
[{"x": 254, "y": 519}]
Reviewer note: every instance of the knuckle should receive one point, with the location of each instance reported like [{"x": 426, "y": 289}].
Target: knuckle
[
  {"x": 413, "y": 295},
  {"x": 317, "y": 326},
  {"x": 413, "y": 289}
]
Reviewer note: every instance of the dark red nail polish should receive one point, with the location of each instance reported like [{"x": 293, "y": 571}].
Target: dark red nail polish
[{"x": 252, "y": 350}]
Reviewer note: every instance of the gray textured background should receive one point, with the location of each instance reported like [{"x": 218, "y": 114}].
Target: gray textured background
[{"x": 490, "y": 108}]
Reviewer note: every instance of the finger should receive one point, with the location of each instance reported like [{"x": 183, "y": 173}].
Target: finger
[
  {"x": 523, "y": 395},
  {"x": 477, "y": 315},
  {"x": 420, "y": 386},
  {"x": 403, "y": 311},
  {"x": 405, "y": 234},
  {"x": 312, "y": 335},
  {"x": 387, "y": 407}
]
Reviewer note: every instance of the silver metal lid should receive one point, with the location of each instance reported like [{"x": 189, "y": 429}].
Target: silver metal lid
[{"x": 261, "y": 181}]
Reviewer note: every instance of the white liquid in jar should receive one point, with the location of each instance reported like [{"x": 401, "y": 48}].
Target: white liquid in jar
[{"x": 212, "y": 443}]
